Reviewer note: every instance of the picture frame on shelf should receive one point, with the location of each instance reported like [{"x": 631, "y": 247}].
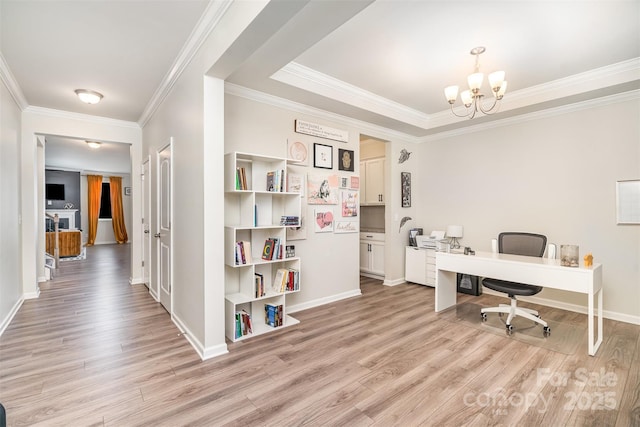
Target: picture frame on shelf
[{"x": 322, "y": 156}]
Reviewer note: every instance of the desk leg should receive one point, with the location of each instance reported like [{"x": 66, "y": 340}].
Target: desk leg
[
  {"x": 445, "y": 289},
  {"x": 593, "y": 344}
]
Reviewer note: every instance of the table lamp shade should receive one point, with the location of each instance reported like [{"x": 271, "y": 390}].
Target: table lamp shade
[{"x": 454, "y": 230}]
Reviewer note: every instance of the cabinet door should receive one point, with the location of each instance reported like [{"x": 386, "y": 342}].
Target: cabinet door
[
  {"x": 375, "y": 181},
  {"x": 415, "y": 265},
  {"x": 377, "y": 258},
  {"x": 365, "y": 257}
]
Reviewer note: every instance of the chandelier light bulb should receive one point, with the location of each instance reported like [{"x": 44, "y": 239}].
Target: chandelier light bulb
[
  {"x": 496, "y": 79},
  {"x": 451, "y": 92}
]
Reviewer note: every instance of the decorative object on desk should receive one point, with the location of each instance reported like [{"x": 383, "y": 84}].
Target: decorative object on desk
[
  {"x": 324, "y": 220},
  {"x": 413, "y": 234},
  {"x": 443, "y": 246},
  {"x": 322, "y": 156},
  {"x": 404, "y": 156},
  {"x": 298, "y": 152},
  {"x": 403, "y": 221},
  {"x": 455, "y": 232},
  {"x": 349, "y": 203},
  {"x": 345, "y": 160},
  {"x": 405, "y": 182},
  {"x": 322, "y": 189},
  {"x": 588, "y": 260},
  {"x": 551, "y": 251},
  {"x": 569, "y": 255}
]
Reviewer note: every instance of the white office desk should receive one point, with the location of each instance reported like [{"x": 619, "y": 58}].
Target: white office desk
[{"x": 522, "y": 269}]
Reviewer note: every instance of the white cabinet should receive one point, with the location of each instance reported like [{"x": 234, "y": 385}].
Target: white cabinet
[
  {"x": 372, "y": 182},
  {"x": 420, "y": 266},
  {"x": 372, "y": 253},
  {"x": 257, "y": 211}
]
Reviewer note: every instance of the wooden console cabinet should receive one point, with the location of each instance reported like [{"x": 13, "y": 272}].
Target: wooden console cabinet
[{"x": 69, "y": 243}]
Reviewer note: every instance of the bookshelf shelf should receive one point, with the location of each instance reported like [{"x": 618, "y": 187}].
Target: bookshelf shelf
[{"x": 256, "y": 201}]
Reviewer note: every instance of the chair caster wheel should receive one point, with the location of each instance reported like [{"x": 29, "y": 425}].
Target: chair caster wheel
[
  {"x": 546, "y": 331},
  {"x": 483, "y": 316},
  {"x": 509, "y": 329}
]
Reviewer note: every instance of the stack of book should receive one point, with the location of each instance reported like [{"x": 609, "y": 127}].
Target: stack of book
[
  {"x": 243, "y": 324},
  {"x": 241, "y": 179},
  {"x": 272, "y": 249},
  {"x": 287, "y": 279},
  {"x": 273, "y": 315},
  {"x": 290, "y": 220},
  {"x": 275, "y": 181},
  {"x": 243, "y": 253}
]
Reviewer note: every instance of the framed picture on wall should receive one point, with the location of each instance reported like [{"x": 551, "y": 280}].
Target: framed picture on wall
[
  {"x": 322, "y": 156},
  {"x": 345, "y": 160},
  {"x": 405, "y": 180}
]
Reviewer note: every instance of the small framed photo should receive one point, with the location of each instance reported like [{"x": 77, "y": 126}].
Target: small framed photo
[
  {"x": 322, "y": 156},
  {"x": 405, "y": 179},
  {"x": 345, "y": 160},
  {"x": 127, "y": 191}
]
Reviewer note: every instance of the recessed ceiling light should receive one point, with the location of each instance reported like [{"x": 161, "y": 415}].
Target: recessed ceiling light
[
  {"x": 93, "y": 144},
  {"x": 88, "y": 96}
]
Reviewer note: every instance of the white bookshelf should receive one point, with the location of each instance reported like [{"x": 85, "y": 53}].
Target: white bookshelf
[{"x": 253, "y": 215}]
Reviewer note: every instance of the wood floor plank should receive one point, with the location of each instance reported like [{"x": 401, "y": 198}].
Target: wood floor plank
[{"x": 93, "y": 350}]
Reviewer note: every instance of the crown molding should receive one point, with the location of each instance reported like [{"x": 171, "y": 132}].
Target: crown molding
[
  {"x": 12, "y": 85},
  {"x": 305, "y": 78},
  {"x": 208, "y": 21},
  {"x": 549, "y": 112},
  {"x": 98, "y": 120},
  {"x": 364, "y": 127}
]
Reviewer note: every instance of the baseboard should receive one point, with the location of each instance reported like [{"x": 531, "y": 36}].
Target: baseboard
[
  {"x": 42, "y": 279},
  {"x": 12, "y": 313},
  {"x": 136, "y": 281},
  {"x": 395, "y": 282},
  {"x": 607, "y": 314},
  {"x": 372, "y": 276},
  {"x": 204, "y": 353},
  {"x": 32, "y": 295},
  {"x": 322, "y": 301}
]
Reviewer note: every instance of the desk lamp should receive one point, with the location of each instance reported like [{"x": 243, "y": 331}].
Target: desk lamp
[{"x": 454, "y": 232}]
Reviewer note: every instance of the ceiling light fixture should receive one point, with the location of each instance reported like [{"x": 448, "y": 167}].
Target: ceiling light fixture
[
  {"x": 93, "y": 144},
  {"x": 88, "y": 96},
  {"x": 472, "y": 98}
]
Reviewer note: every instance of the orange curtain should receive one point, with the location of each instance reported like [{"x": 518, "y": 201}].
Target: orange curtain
[
  {"x": 94, "y": 185},
  {"x": 117, "y": 213}
]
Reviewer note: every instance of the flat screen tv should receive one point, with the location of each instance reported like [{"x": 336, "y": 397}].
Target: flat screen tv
[{"x": 55, "y": 191}]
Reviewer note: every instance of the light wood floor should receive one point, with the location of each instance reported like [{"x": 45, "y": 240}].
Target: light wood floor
[{"x": 94, "y": 351}]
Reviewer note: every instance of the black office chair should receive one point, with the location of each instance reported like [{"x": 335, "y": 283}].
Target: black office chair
[{"x": 515, "y": 243}]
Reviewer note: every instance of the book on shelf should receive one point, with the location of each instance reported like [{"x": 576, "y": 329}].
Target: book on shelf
[
  {"x": 273, "y": 315},
  {"x": 243, "y": 253},
  {"x": 277, "y": 248},
  {"x": 275, "y": 181},
  {"x": 280, "y": 281},
  {"x": 241, "y": 178},
  {"x": 267, "y": 250},
  {"x": 259, "y": 285},
  {"x": 290, "y": 220},
  {"x": 243, "y": 324}
]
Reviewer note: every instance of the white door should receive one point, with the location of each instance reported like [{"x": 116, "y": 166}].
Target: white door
[
  {"x": 163, "y": 236},
  {"x": 146, "y": 230}
]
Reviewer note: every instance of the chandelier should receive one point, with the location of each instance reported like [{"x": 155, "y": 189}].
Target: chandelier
[{"x": 473, "y": 98}]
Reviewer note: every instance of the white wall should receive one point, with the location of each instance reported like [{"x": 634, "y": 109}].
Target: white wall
[
  {"x": 10, "y": 273},
  {"x": 329, "y": 262},
  {"x": 552, "y": 175}
]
